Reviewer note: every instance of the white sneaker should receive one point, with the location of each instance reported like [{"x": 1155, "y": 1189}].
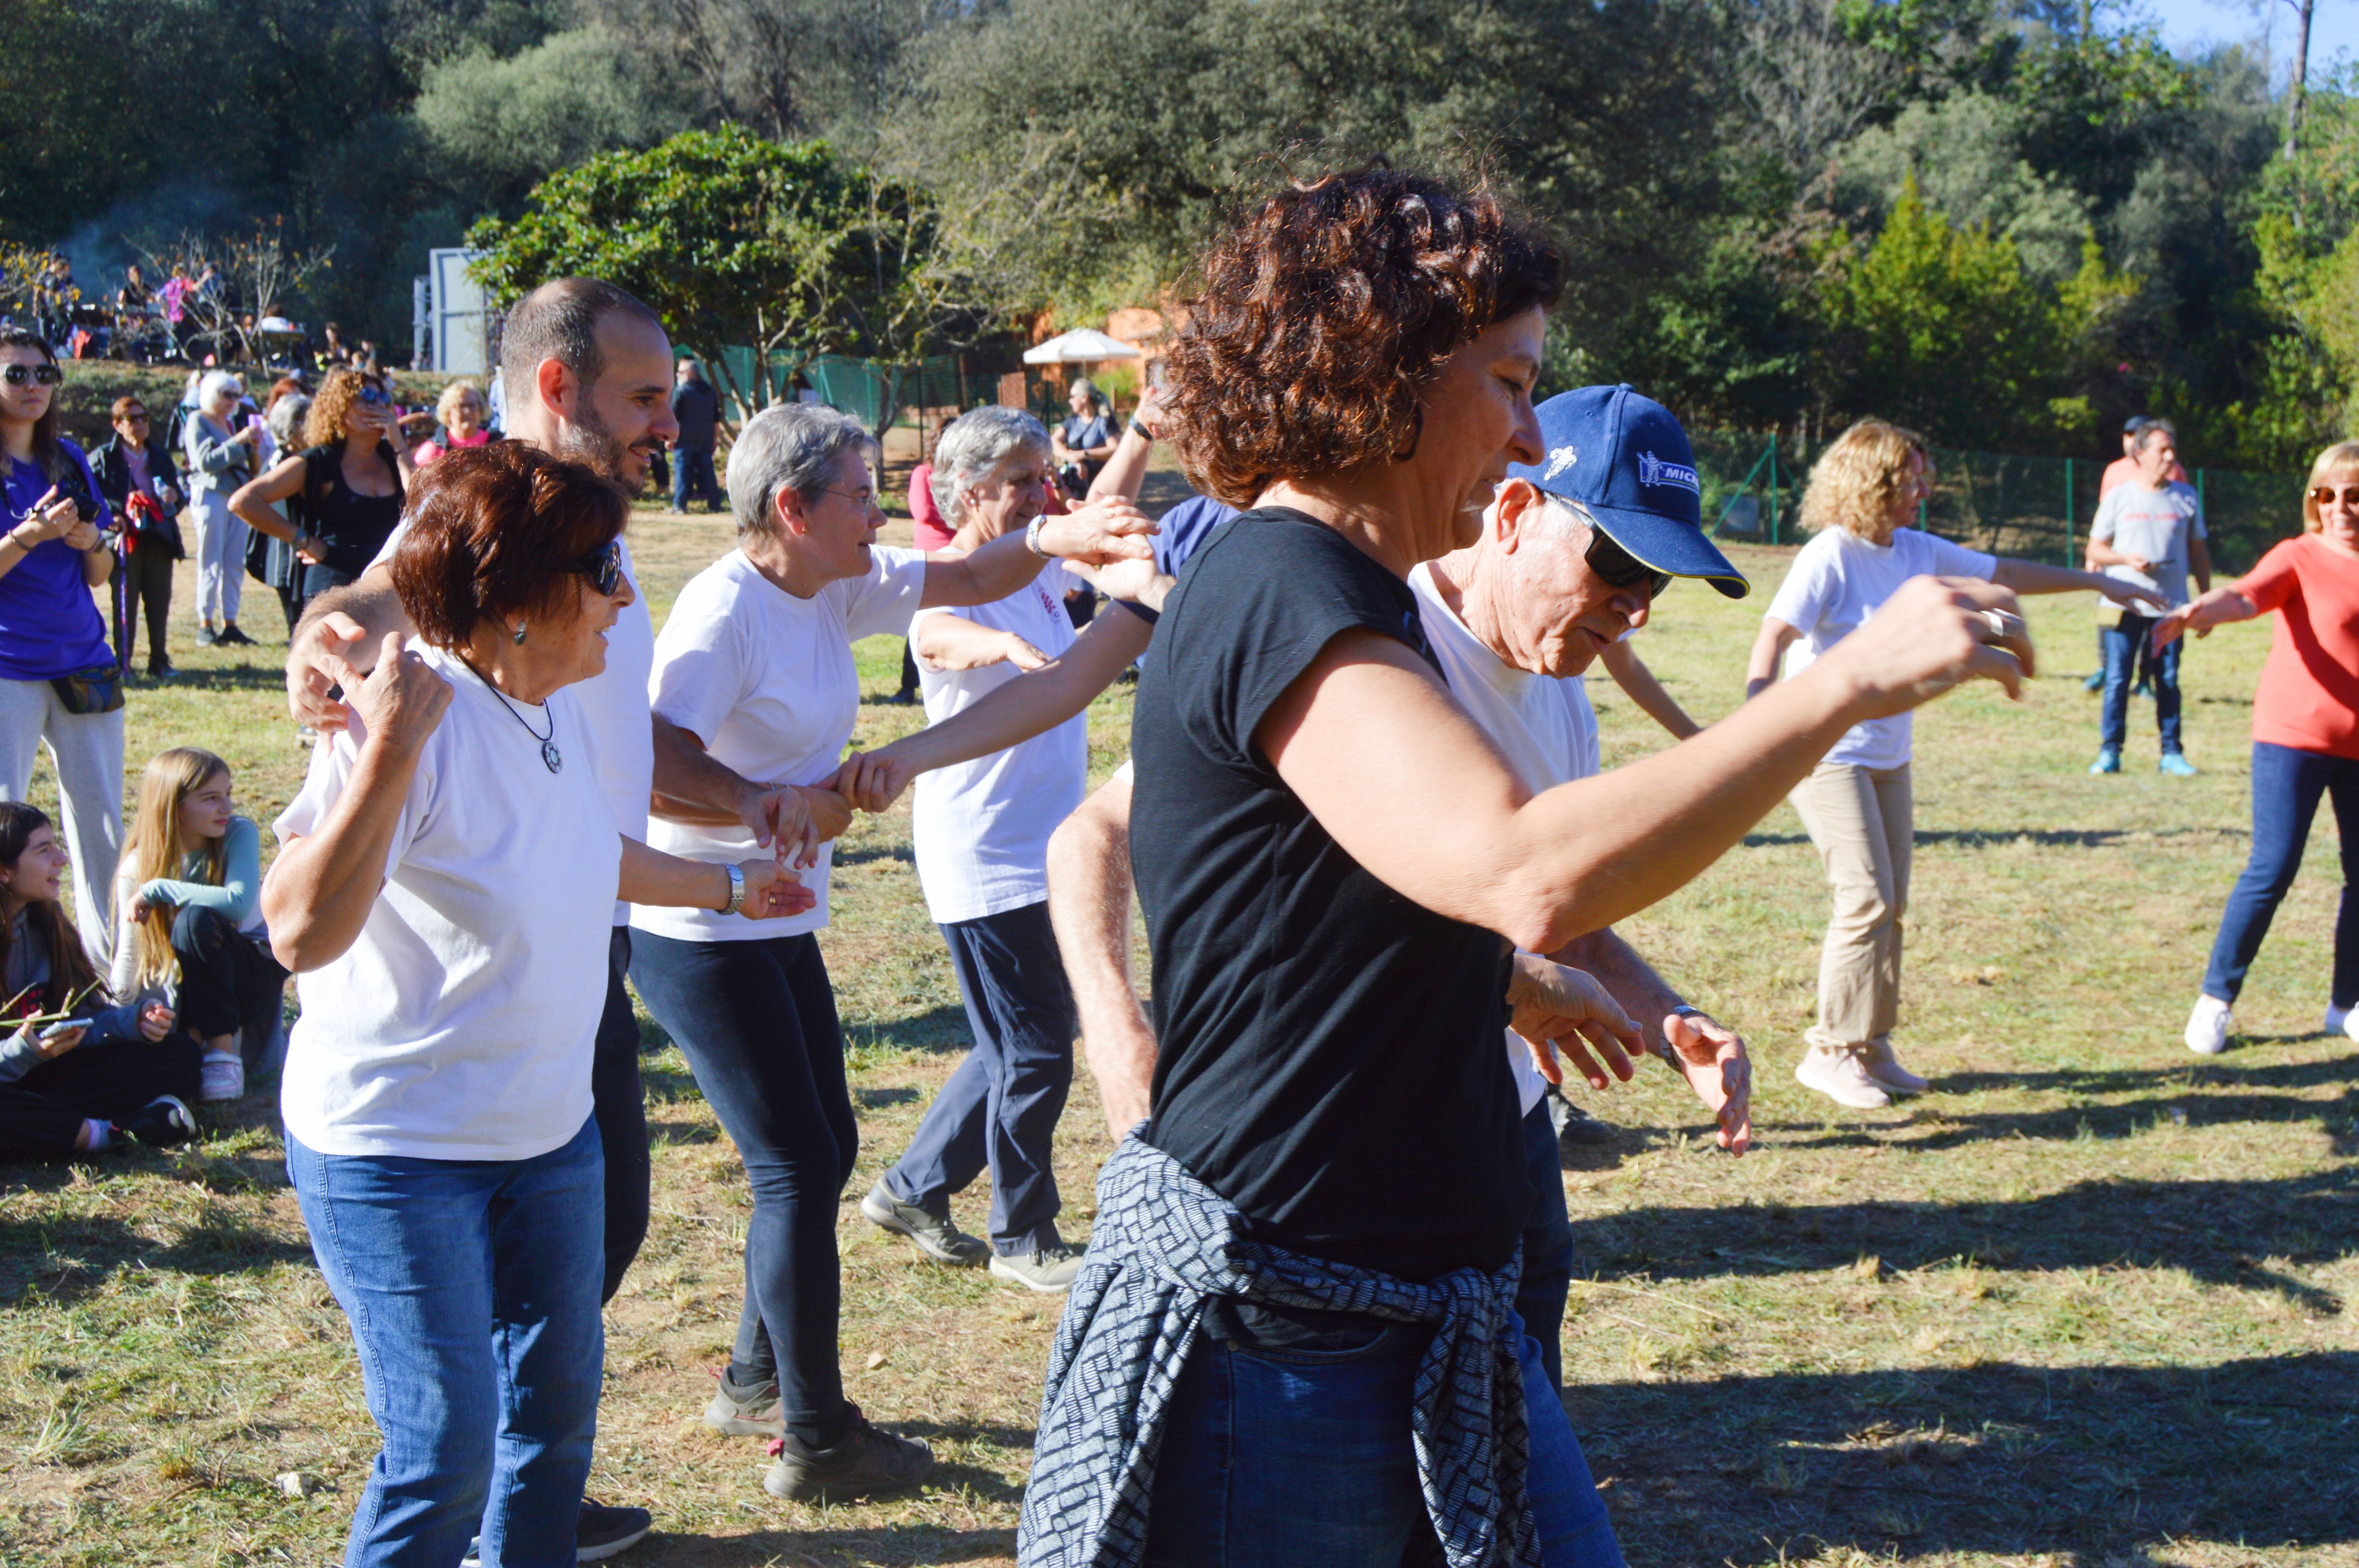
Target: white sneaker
[
  {"x": 223, "y": 1076},
  {"x": 2342, "y": 1021},
  {"x": 1840, "y": 1075},
  {"x": 1885, "y": 1068},
  {"x": 2207, "y": 1026}
]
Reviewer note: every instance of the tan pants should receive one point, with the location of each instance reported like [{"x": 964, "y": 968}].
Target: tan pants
[{"x": 1862, "y": 821}]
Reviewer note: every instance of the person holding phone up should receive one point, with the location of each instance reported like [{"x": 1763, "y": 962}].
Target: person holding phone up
[{"x": 343, "y": 492}]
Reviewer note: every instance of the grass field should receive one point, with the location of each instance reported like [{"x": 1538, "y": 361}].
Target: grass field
[{"x": 2086, "y": 1304}]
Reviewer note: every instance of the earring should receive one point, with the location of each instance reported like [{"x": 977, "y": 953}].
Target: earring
[{"x": 519, "y": 633}]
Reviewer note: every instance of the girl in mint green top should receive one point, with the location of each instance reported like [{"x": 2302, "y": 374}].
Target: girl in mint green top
[{"x": 189, "y": 912}]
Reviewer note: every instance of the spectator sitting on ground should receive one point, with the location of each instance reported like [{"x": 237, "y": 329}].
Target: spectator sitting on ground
[
  {"x": 189, "y": 911},
  {"x": 135, "y": 475},
  {"x": 103, "y": 1073},
  {"x": 697, "y": 408},
  {"x": 461, "y": 411},
  {"x": 2148, "y": 532}
]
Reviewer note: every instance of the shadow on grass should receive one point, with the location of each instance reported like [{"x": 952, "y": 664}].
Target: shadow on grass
[
  {"x": 2092, "y": 1466},
  {"x": 2217, "y": 1231},
  {"x": 939, "y": 1031},
  {"x": 865, "y": 853},
  {"x": 776, "y": 1548},
  {"x": 66, "y": 1260}
]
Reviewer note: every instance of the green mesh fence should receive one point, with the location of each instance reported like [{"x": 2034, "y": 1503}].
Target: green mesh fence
[{"x": 2038, "y": 508}]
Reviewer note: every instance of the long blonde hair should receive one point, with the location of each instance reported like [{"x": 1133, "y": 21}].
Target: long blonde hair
[
  {"x": 2341, "y": 457},
  {"x": 154, "y": 848},
  {"x": 1859, "y": 478}
]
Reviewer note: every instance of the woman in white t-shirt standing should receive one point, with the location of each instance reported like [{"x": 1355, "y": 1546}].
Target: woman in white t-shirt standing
[
  {"x": 982, "y": 830},
  {"x": 448, "y": 870},
  {"x": 755, "y": 664},
  {"x": 1858, "y": 804}
]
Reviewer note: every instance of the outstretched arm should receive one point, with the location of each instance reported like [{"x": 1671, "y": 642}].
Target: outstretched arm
[
  {"x": 2221, "y": 607},
  {"x": 1769, "y": 655},
  {"x": 1639, "y": 684},
  {"x": 2038, "y": 576},
  {"x": 1101, "y": 531},
  {"x": 1089, "y": 906},
  {"x": 1710, "y": 1058}
]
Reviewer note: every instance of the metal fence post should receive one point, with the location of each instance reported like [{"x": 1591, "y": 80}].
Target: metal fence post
[
  {"x": 1772, "y": 487},
  {"x": 2068, "y": 512}
]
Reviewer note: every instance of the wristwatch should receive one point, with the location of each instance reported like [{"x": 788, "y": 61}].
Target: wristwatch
[
  {"x": 1032, "y": 537},
  {"x": 736, "y": 891}
]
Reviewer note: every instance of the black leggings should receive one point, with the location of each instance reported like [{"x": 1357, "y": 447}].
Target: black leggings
[
  {"x": 229, "y": 982},
  {"x": 756, "y": 1021},
  {"x": 42, "y": 1112}
]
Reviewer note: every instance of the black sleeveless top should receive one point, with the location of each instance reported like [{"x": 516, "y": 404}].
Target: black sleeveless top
[{"x": 352, "y": 526}]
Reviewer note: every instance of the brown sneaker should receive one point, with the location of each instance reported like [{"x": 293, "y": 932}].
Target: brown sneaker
[
  {"x": 867, "y": 1462},
  {"x": 744, "y": 1411}
]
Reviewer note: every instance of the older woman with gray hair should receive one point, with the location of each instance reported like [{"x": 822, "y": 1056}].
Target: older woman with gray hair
[
  {"x": 223, "y": 452},
  {"x": 756, "y": 666},
  {"x": 982, "y": 830}
]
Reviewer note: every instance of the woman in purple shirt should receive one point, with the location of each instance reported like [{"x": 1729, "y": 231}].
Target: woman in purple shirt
[{"x": 59, "y": 683}]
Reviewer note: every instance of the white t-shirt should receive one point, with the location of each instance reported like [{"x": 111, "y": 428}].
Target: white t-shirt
[
  {"x": 2154, "y": 525},
  {"x": 1836, "y": 583},
  {"x": 614, "y": 703},
  {"x": 1544, "y": 724},
  {"x": 981, "y": 827},
  {"x": 765, "y": 680},
  {"x": 459, "y": 1025}
]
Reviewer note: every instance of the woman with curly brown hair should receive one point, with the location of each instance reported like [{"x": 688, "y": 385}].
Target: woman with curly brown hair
[
  {"x": 342, "y": 492},
  {"x": 1857, "y": 802},
  {"x": 1292, "y": 1340}
]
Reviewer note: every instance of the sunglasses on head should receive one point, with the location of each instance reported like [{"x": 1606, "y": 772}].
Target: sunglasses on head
[
  {"x": 45, "y": 375},
  {"x": 603, "y": 567},
  {"x": 2325, "y": 495},
  {"x": 1617, "y": 567}
]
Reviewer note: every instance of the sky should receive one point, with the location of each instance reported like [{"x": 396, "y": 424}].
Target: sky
[{"x": 2188, "y": 25}]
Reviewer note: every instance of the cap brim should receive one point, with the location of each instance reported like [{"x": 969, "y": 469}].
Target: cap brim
[{"x": 1669, "y": 546}]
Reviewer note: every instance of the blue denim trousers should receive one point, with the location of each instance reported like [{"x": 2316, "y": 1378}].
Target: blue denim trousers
[
  {"x": 471, "y": 1287},
  {"x": 2121, "y": 645},
  {"x": 2287, "y": 785},
  {"x": 1297, "y": 1458},
  {"x": 692, "y": 478},
  {"x": 1548, "y": 1246}
]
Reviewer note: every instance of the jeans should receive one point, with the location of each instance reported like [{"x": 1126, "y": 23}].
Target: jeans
[
  {"x": 1548, "y": 1246},
  {"x": 86, "y": 750},
  {"x": 692, "y": 478},
  {"x": 1864, "y": 824},
  {"x": 619, "y": 1106},
  {"x": 229, "y": 983},
  {"x": 2286, "y": 787},
  {"x": 2121, "y": 645},
  {"x": 471, "y": 1287},
  {"x": 1000, "y": 1108},
  {"x": 42, "y": 1112},
  {"x": 1294, "y": 1458},
  {"x": 757, "y": 1022}
]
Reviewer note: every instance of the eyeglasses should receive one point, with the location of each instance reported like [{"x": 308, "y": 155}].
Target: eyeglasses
[
  {"x": 2325, "y": 495},
  {"x": 863, "y": 499},
  {"x": 45, "y": 375},
  {"x": 139, "y": 419},
  {"x": 373, "y": 396},
  {"x": 1617, "y": 567},
  {"x": 603, "y": 567}
]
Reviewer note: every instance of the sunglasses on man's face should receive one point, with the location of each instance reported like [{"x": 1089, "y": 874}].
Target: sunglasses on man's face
[
  {"x": 603, "y": 567},
  {"x": 2325, "y": 495},
  {"x": 1617, "y": 567},
  {"x": 45, "y": 375}
]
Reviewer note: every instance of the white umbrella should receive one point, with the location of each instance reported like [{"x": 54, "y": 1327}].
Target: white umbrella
[{"x": 1081, "y": 346}]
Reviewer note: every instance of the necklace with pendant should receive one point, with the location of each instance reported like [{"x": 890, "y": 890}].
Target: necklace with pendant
[{"x": 549, "y": 752}]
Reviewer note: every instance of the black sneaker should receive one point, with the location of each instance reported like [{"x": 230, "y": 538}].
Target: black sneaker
[
  {"x": 207, "y": 637},
  {"x": 162, "y": 1123},
  {"x": 1575, "y": 1128},
  {"x": 160, "y": 669},
  {"x": 867, "y": 1461},
  {"x": 598, "y": 1533},
  {"x": 231, "y": 637}
]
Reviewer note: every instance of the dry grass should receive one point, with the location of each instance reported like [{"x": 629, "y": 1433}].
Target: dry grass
[{"x": 2085, "y": 1305}]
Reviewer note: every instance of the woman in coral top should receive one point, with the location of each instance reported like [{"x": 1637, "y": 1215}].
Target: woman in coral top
[{"x": 2305, "y": 735}]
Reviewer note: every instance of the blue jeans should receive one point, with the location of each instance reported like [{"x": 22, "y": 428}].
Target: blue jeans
[
  {"x": 693, "y": 476},
  {"x": 1293, "y": 1458},
  {"x": 1548, "y": 1246},
  {"x": 471, "y": 1287},
  {"x": 2286, "y": 787},
  {"x": 1000, "y": 1108},
  {"x": 2121, "y": 645}
]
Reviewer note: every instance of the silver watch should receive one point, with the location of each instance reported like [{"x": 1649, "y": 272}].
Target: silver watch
[
  {"x": 736, "y": 891},
  {"x": 1032, "y": 537}
]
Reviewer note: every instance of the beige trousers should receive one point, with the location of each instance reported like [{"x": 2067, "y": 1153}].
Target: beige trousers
[{"x": 1862, "y": 821}]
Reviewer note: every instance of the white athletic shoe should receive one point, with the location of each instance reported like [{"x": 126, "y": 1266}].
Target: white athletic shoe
[
  {"x": 1885, "y": 1068},
  {"x": 2342, "y": 1021},
  {"x": 1840, "y": 1075},
  {"x": 223, "y": 1076},
  {"x": 2207, "y": 1026}
]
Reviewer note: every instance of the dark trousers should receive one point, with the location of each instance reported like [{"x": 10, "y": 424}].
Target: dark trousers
[
  {"x": 2121, "y": 645},
  {"x": 1547, "y": 1244},
  {"x": 229, "y": 982},
  {"x": 692, "y": 477},
  {"x": 756, "y": 1021},
  {"x": 1000, "y": 1108},
  {"x": 2287, "y": 785},
  {"x": 619, "y": 1106},
  {"x": 42, "y": 1112},
  {"x": 146, "y": 585}
]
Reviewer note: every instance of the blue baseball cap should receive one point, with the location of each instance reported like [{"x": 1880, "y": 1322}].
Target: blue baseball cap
[{"x": 1625, "y": 460}]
